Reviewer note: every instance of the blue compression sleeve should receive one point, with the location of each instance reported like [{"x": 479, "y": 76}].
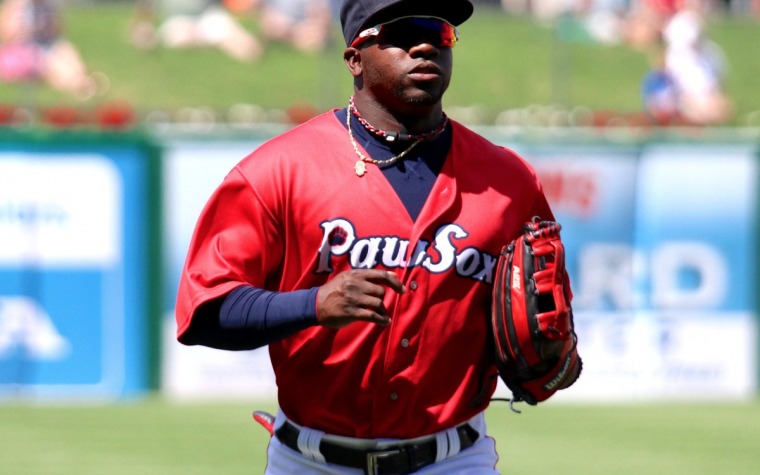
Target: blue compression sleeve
[
  {"x": 249, "y": 318},
  {"x": 263, "y": 310}
]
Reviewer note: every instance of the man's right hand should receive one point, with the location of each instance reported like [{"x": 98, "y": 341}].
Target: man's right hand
[{"x": 356, "y": 295}]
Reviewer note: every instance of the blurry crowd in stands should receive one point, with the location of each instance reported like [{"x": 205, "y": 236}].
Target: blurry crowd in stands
[
  {"x": 305, "y": 24},
  {"x": 685, "y": 85},
  {"x": 686, "y": 81},
  {"x": 33, "y": 47}
]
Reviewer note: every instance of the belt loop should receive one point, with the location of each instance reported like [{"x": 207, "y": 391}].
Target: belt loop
[
  {"x": 454, "y": 441},
  {"x": 442, "y": 446},
  {"x": 308, "y": 444},
  {"x": 447, "y": 444}
]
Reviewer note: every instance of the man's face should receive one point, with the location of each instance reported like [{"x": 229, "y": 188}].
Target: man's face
[{"x": 406, "y": 65}]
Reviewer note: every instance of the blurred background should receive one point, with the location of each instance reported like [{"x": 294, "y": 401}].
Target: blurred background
[
  {"x": 522, "y": 62},
  {"x": 118, "y": 119}
]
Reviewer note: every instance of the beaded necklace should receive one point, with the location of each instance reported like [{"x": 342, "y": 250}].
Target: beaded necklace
[
  {"x": 396, "y": 136},
  {"x": 360, "y": 167}
]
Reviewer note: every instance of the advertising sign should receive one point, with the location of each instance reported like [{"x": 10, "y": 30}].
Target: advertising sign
[
  {"x": 655, "y": 240},
  {"x": 192, "y": 171},
  {"x": 73, "y": 243}
]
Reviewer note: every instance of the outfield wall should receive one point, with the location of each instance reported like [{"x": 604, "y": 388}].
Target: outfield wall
[{"x": 660, "y": 233}]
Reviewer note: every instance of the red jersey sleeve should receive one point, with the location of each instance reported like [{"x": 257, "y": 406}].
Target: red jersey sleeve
[{"x": 235, "y": 242}]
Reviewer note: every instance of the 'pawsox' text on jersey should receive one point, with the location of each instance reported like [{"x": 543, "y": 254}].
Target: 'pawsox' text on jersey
[{"x": 339, "y": 238}]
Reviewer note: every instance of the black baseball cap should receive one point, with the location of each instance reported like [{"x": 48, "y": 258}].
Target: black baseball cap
[{"x": 358, "y": 15}]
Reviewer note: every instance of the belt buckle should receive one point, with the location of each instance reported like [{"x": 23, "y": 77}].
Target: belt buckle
[{"x": 374, "y": 457}]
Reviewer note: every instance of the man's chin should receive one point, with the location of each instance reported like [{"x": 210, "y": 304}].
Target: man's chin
[{"x": 426, "y": 96}]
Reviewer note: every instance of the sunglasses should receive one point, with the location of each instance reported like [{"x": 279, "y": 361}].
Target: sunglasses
[{"x": 408, "y": 31}]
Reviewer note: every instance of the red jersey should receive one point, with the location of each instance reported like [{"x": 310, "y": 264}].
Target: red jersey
[{"x": 294, "y": 213}]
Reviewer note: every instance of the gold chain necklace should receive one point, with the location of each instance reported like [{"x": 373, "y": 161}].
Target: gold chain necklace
[{"x": 361, "y": 165}]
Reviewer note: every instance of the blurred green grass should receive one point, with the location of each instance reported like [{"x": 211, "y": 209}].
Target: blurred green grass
[
  {"x": 154, "y": 437},
  {"x": 502, "y": 62}
]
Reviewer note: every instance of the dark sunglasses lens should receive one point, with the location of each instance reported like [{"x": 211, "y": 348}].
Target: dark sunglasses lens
[{"x": 411, "y": 31}]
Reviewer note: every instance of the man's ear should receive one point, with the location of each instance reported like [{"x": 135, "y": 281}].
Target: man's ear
[{"x": 353, "y": 59}]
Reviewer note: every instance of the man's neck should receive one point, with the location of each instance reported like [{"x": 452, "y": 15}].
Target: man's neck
[{"x": 412, "y": 119}]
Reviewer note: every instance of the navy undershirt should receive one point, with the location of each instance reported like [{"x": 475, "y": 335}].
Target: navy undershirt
[
  {"x": 250, "y": 317},
  {"x": 414, "y": 176}
]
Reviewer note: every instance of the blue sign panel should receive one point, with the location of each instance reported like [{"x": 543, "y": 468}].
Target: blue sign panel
[
  {"x": 661, "y": 246},
  {"x": 73, "y": 254}
]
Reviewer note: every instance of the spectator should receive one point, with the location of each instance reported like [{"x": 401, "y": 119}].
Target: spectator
[
  {"x": 658, "y": 91},
  {"x": 192, "y": 23},
  {"x": 305, "y": 24},
  {"x": 697, "y": 67},
  {"x": 32, "y": 48},
  {"x": 645, "y": 21}
]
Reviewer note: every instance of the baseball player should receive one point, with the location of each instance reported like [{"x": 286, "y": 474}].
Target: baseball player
[{"x": 360, "y": 247}]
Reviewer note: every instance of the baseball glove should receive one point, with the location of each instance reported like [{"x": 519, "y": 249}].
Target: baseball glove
[{"x": 531, "y": 317}]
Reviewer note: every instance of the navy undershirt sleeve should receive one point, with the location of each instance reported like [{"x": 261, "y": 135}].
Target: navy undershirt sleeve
[{"x": 249, "y": 318}]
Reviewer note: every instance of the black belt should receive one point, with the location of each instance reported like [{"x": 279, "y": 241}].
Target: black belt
[{"x": 393, "y": 460}]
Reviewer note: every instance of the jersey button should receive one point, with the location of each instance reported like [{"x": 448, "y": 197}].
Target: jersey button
[
  {"x": 405, "y": 343},
  {"x": 394, "y": 396},
  {"x": 413, "y": 285}
]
